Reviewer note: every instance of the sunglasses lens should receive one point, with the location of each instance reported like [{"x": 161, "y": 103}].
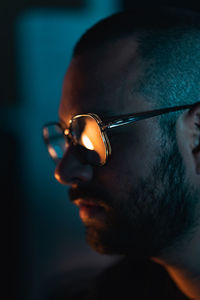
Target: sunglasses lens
[
  {"x": 55, "y": 141},
  {"x": 87, "y": 133}
]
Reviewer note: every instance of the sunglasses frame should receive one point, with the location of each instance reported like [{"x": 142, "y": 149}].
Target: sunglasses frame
[
  {"x": 114, "y": 122},
  {"x": 102, "y": 130}
]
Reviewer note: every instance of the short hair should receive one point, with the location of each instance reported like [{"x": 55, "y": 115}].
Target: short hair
[{"x": 169, "y": 42}]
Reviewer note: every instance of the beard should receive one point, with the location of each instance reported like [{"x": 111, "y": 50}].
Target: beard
[{"x": 156, "y": 215}]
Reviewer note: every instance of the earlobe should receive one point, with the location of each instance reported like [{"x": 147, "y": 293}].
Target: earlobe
[
  {"x": 196, "y": 153},
  {"x": 188, "y": 139},
  {"x": 195, "y": 124}
]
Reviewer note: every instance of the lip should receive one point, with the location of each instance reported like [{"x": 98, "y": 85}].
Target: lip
[{"x": 90, "y": 211}]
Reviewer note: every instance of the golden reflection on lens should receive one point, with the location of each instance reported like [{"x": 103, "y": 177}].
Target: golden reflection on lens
[
  {"x": 87, "y": 133},
  {"x": 66, "y": 132},
  {"x": 57, "y": 176},
  {"x": 45, "y": 133},
  {"x": 52, "y": 152},
  {"x": 92, "y": 138},
  {"x": 87, "y": 142}
]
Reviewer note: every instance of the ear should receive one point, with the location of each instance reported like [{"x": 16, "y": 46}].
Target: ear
[{"x": 192, "y": 130}]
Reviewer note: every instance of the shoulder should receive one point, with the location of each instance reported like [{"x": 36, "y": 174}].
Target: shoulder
[
  {"x": 71, "y": 285},
  {"x": 143, "y": 280}
]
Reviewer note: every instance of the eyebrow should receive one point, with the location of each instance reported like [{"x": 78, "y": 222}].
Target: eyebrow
[
  {"x": 105, "y": 114},
  {"x": 63, "y": 123}
]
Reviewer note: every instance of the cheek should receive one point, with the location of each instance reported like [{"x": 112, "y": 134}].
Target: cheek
[
  {"x": 120, "y": 174},
  {"x": 132, "y": 159}
]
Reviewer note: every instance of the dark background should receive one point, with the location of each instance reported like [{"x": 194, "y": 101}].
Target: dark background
[{"x": 43, "y": 232}]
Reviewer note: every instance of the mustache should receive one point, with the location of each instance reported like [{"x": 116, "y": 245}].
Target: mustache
[{"x": 88, "y": 192}]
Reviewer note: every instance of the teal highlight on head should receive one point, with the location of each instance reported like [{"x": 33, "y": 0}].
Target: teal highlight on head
[
  {"x": 172, "y": 72},
  {"x": 169, "y": 46}
]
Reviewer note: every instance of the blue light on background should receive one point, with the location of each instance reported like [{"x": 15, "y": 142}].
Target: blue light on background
[{"x": 44, "y": 42}]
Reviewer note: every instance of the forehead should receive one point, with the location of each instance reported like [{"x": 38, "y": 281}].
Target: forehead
[{"x": 101, "y": 81}]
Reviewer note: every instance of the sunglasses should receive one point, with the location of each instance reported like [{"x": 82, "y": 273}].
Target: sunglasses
[{"x": 88, "y": 133}]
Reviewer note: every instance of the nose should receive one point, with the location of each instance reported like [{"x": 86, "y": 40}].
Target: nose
[{"x": 71, "y": 169}]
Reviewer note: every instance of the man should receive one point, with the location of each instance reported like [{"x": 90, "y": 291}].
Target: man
[{"x": 128, "y": 146}]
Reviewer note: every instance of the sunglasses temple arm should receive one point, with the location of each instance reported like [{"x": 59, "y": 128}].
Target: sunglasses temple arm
[{"x": 127, "y": 119}]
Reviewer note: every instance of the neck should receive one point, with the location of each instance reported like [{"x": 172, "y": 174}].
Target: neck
[
  {"x": 183, "y": 265},
  {"x": 187, "y": 281}
]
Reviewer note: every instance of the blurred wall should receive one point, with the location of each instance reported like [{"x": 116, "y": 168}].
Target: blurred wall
[{"x": 47, "y": 236}]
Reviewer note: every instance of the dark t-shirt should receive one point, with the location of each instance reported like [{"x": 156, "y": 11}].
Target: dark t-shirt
[{"x": 125, "y": 280}]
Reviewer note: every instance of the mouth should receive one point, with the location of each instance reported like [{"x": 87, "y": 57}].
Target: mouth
[{"x": 90, "y": 211}]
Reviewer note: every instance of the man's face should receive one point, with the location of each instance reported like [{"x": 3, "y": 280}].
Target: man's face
[{"x": 135, "y": 200}]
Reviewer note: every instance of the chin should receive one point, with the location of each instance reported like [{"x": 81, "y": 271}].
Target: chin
[
  {"x": 114, "y": 242},
  {"x": 100, "y": 241},
  {"x": 105, "y": 242}
]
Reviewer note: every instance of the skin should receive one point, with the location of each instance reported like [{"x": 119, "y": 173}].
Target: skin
[
  {"x": 134, "y": 187},
  {"x": 183, "y": 260}
]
